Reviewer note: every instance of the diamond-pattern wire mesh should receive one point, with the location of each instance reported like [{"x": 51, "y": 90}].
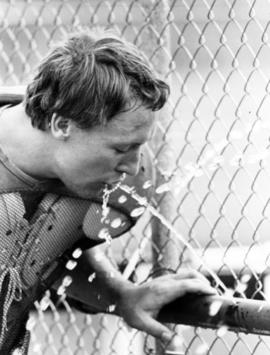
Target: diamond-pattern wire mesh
[{"x": 214, "y": 133}]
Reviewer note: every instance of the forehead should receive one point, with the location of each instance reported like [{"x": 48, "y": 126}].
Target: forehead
[{"x": 131, "y": 126}]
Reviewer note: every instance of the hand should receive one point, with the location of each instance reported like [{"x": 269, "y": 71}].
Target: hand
[{"x": 140, "y": 305}]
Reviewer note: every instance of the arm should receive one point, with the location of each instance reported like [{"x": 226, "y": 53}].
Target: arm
[{"x": 139, "y": 305}]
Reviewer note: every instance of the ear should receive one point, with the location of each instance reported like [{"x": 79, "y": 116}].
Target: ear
[{"x": 60, "y": 127}]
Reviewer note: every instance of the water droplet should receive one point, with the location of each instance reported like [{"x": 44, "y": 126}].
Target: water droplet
[
  {"x": 147, "y": 184},
  {"x": 241, "y": 287},
  {"x": 222, "y": 331},
  {"x": 71, "y": 264},
  {"x": 142, "y": 200},
  {"x": 122, "y": 199},
  {"x": 137, "y": 212},
  {"x": 30, "y": 324},
  {"x": 67, "y": 280},
  {"x": 214, "y": 308},
  {"x": 77, "y": 253},
  {"x": 111, "y": 308},
  {"x": 104, "y": 234},
  {"x": 163, "y": 188},
  {"x": 44, "y": 303},
  {"x": 91, "y": 277},
  {"x": 116, "y": 223},
  {"x": 61, "y": 290}
]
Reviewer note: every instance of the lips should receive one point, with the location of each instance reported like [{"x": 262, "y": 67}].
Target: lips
[
  {"x": 116, "y": 183},
  {"x": 112, "y": 184}
]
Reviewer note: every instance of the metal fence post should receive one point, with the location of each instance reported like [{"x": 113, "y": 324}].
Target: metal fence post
[{"x": 156, "y": 44}]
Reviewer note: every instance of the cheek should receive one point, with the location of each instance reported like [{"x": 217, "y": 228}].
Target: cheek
[
  {"x": 93, "y": 159},
  {"x": 98, "y": 164}
]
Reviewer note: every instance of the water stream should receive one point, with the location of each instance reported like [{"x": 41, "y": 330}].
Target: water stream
[{"x": 142, "y": 201}]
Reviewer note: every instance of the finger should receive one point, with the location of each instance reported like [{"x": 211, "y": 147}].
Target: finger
[
  {"x": 160, "y": 331},
  {"x": 184, "y": 274},
  {"x": 174, "y": 289},
  {"x": 192, "y": 274},
  {"x": 196, "y": 286}
]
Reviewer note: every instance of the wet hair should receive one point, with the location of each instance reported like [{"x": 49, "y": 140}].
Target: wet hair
[{"x": 91, "y": 79}]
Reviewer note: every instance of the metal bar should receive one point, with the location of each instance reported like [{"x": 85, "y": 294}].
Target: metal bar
[{"x": 237, "y": 314}]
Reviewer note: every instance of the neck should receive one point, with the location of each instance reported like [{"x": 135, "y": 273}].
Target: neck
[{"x": 24, "y": 145}]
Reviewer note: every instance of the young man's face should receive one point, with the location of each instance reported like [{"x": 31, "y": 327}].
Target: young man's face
[{"x": 89, "y": 159}]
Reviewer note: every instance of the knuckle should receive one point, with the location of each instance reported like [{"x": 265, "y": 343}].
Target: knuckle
[
  {"x": 156, "y": 288},
  {"x": 193, "y": 273},
  {"x": 185, "y": 284},
  {"x": 137, "y": 322}
]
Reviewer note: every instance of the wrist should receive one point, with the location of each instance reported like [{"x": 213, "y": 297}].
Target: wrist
[{"x": 117, "y": 286}]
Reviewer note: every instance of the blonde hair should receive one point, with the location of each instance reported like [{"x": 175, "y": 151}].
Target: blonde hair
[{"x": 90, "y": 80}]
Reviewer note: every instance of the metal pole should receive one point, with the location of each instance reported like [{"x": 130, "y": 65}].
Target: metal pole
[
  {"x": 156, "y": 44},
  {"x": 235, "y": 314},
  {"x": 155, "y": 38}
]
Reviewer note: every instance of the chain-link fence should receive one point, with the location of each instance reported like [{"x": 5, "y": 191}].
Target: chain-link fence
[{"x": 211, "y": 151}]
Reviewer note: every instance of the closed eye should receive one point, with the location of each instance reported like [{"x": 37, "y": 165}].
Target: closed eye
[{"x": 124, "y": 149}]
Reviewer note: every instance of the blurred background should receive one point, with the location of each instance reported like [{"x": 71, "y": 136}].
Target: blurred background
[{"x": 210, "y": 152}]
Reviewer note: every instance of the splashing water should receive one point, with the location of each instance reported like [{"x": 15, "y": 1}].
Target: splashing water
[
  {"x": 71, "y": 264},
  {"x": 171, "y": 228},
  {"x": 222, "y": 331},
  {"x": 91, "y": 277},
  {"x": 106, "y": 195},
  {"x": 213, "y": 158},
  {"x": 77, "y": 253},
  {"x": 104, "y": 233},
  {"x": 116, "y": 223},
  {"x": 214, "y": 308}
]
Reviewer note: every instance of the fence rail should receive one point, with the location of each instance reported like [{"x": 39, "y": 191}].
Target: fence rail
[{"x": 231, "y": 314}]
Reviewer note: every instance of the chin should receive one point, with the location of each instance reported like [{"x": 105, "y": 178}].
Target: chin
[{"x": 89, "y": 190}]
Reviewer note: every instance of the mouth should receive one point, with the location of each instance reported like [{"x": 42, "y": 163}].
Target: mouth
[
  {"x": 112, "y": 184},
  {"x": 116, "y": 183}
]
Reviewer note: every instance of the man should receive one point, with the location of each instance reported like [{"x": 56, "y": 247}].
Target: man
[{"x": 86, "y": 114}]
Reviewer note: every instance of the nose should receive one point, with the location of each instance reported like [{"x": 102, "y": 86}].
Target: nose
[{"x": 130, "y": 163}]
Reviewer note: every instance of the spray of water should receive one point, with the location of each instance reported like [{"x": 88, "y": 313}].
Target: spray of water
[
  {"x": 104, "y": 232},
  {"x": 130, "y": 190},
  {"x": 106, "y": 195}
]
